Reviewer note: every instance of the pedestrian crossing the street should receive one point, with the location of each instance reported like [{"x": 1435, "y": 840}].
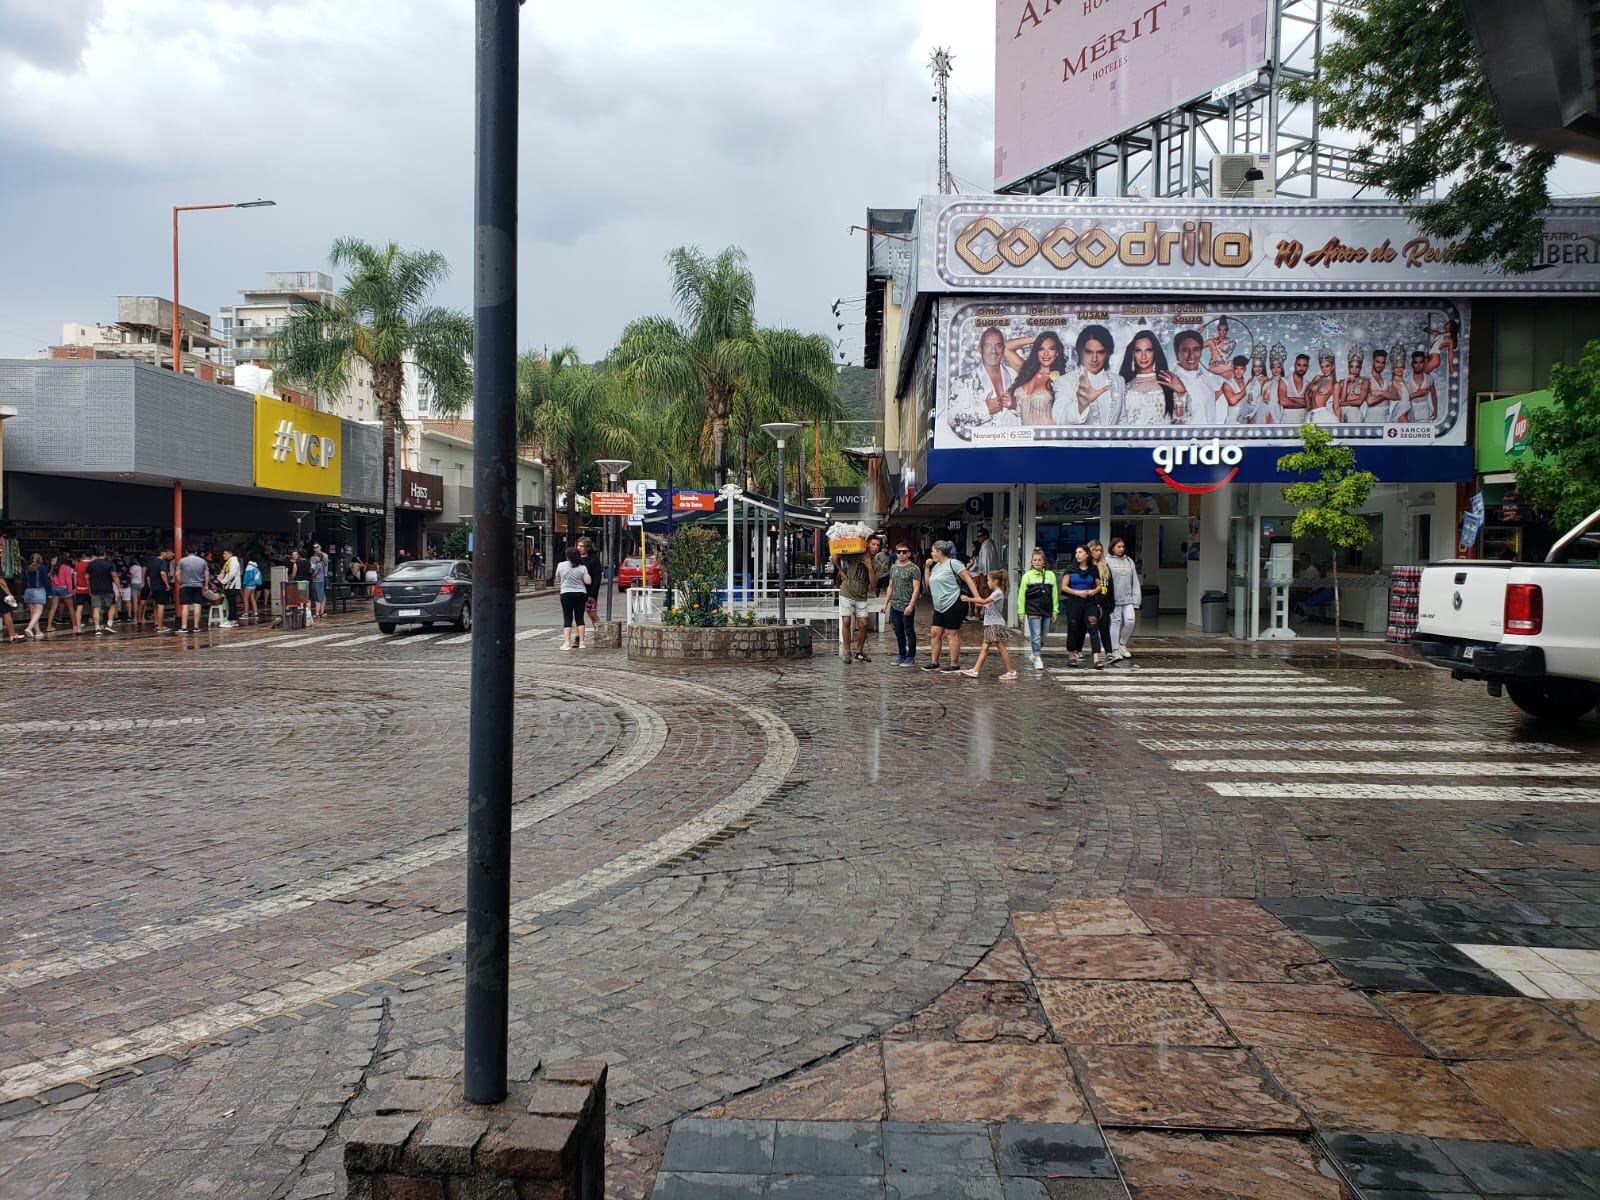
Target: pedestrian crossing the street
[
  {"x": 370, "y": 642},
  {"x": 1320, "y": 744}
]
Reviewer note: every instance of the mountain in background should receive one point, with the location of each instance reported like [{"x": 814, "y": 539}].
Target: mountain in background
[{"x": 857, "y": 388}]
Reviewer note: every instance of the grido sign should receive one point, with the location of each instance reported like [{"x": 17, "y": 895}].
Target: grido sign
[
  {"x": 1212, "y": 454},
  {"x": 1170, "y": 374},
  {"x": 1006, "y": 243}
]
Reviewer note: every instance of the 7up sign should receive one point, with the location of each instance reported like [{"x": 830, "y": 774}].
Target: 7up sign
[{"x": 1516, "y": 430}]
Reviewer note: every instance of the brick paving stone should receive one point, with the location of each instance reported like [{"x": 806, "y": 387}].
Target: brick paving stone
[
  {"x": 1115, "y": 1013},
  {"x": 941, "y": 1081},
  {"x": 1468, "y": 1027},
  {"x": 1183, "y": 1088},
  {"x": 1055, "y": 956},
  {"x": 1342, "y": 1090},
  {"x": 1552, "y": 1102},
  {"x": 1169, "y": 1166}
]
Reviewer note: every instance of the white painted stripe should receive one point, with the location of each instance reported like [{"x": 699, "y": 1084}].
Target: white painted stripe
[
  {"x": 1485, "y": 767},
  {"x": 1186, "y": 721},
  {"x": 782, "y": 749},
  {"x": 455, "y": 641},
  {"x": 1219, "y": 706},
  {"x": 1199, "y": 673},
  {"x": 1232, "y": 687},
  {"x": 110, "y": 725},
  {"x": 304, "y": 641},
  {"x": 533, "y": 633},
  {"x": 1373, "y": 745},
  {"x": 1203, "y": 695},
  {"x": 371, "y": 637},
  {"x": 415, "y": 639},
  {"x": 1399, "y": 793},
  {"x": 253, "y": 643},
  {"x": 628, "y": 758}
]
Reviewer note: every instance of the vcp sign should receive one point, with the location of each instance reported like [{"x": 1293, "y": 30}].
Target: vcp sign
[
  {"x": 297, "y": 449},
  {"x": 1206, "y": 466}
]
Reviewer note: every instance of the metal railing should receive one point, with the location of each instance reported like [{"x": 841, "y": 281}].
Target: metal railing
[{"x": 803, "y": 604}]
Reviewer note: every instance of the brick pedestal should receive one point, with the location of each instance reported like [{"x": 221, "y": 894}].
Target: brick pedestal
[
  {"x": 603, "y": 635},
  {"x": 738, "y": 643},
  {"x": 545, "y": 1141}
]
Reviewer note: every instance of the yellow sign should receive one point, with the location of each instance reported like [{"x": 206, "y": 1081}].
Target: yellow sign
[{"x": 297, "y": 450}]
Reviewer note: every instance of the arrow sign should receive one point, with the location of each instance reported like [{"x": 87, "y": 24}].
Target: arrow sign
[{"x": 654, "y": 499}]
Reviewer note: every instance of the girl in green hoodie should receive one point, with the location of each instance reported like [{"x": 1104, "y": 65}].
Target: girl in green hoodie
[{"x": 1039, "y": 603}]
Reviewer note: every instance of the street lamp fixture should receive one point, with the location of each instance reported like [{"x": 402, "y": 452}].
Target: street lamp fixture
[
  {"x": 781, "y": 432},
  {"x": 612, "y": 468}
]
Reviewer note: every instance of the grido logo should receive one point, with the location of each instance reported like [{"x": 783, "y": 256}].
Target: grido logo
[{"x": 1213, "y": 456}]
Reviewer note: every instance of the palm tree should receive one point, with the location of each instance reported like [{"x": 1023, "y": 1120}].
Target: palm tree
[
  {"x": 697, "y": 368},
  {"x": 795, "y": 383},
  {"x": 574, "y": 412},
  {"x": 381, "y": 318}
]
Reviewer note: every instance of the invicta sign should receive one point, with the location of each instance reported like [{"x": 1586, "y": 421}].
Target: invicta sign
[{"x": 986, "y": 245}]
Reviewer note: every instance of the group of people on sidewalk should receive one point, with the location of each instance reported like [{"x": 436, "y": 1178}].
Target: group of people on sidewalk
[
  {"x": 59, "y": 592},
  {"x": 1099, "y": 592},
  {"x": 578, "y": 584}
]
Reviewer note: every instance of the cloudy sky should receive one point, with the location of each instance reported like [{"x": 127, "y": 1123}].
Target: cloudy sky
[
  {"x": 770, "y": 126},
  {"x": 645, "y": 125}
]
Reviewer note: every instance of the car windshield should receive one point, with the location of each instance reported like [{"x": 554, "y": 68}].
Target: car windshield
[
  {"x": 631, "y": 562},
  {"x": 421, "y": 570}
]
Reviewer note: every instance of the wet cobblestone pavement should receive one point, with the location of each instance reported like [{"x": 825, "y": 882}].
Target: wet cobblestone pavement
[{"x": 847, "y": 895}]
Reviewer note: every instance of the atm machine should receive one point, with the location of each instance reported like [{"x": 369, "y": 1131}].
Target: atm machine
[{"x": 1280, "y": 577}]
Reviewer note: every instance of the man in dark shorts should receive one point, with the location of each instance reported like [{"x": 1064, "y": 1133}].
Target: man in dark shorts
[
  {"x": 103, "y": 584},
  {"x": 158, "y": 585},
  {"x": 80, "y": 591},
  {"x": 192, "y": 574}
]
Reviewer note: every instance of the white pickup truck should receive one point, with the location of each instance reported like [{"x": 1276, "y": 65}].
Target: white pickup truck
[{"x": 1529, "y": 629}]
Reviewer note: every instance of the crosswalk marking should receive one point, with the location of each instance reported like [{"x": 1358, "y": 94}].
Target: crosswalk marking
[
  {"x": 1217, "y": 706},
  {"x": 1186, "y": 721},
  {"x": 371, "y": 637},
  {"x": 1127, "y": 687},
  {"x": 1197, "y": 673},
  {"x": 533, "y": 633},
  {"x": 1359, "y": 745},
  {"x": 1201, "y": 696},
  {"x": 1485, "y": 767},
  {"x": 1400, "y": 793},
  {"x": 255, "y": 643},
  {"x": 455, "y": 641}
]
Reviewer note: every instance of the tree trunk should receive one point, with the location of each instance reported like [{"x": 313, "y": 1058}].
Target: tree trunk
[
  {"x": 1338, "y": 623},
  {"x": 719, "y": 448},
  {"x": 391, "y": 431},
  {"x": 569, "y": 471},
  {"x": 744, "y": 458},
  {"x": 549, "y": 516}
]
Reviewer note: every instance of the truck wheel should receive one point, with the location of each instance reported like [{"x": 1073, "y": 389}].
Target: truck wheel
[{"x": 1554, "y": 699}]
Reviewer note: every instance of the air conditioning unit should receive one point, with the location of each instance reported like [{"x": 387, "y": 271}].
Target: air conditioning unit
[{"x": 1230, "y": 177}]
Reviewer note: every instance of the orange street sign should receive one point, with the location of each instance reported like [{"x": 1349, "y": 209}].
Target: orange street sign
[{"x": 611, "y": 504}]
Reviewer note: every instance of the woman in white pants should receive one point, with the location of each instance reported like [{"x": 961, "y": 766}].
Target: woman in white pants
[{"x": 1125, "y": 598}]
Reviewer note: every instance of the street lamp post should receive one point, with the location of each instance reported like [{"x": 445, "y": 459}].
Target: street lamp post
[
  {"x": 177, "y": 344},
  {"x": 780, "y": 432},
  {"x": 611, "y": 468}
]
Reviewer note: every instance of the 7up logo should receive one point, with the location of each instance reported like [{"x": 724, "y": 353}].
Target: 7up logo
[
  {"x": 1516, "y": 429},
  {"x": 307, "y": 449}
]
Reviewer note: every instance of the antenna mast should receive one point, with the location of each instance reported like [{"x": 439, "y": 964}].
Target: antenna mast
[{"x": 939, "y": 63}]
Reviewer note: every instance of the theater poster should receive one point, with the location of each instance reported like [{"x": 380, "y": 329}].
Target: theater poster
[{"x": 1378, "y": 372}]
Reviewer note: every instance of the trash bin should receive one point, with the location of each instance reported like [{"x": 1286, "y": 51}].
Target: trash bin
[
  {"x": 1214, "y": 612},
  {"x": 1149, "y": 602}
]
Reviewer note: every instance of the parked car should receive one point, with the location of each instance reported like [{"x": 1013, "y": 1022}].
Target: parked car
[
  {"x": 423, "y": 591},
  {"x": 628, "y": 573},
  {"x": 1528, "y": 629}
]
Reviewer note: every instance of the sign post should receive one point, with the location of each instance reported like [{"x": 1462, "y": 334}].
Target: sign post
[{"x": 730, "y": 493}]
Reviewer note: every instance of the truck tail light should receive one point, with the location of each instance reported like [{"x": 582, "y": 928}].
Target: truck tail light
[
  {"x": 1524, "y": 609},
  {"x": 448, "y": 589},
  {"x": 377, "y": 592}
]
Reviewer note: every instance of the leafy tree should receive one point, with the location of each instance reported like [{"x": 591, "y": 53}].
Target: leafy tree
[
  {"x": 1327, "y": 503},
  {"x": 1560, "y": 473},
  {"x": 697, "y": 367},
  {"x": 1404, "y": 76},
  {"x": 455, "y": 542},
  {"x": 575, "y": 412},
  {"x": 381, "y": 318}
]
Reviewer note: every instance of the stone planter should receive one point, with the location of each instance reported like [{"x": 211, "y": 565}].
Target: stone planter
[
  {"x": 603, "y": 635},
  {"x": 755, "y": 643}
]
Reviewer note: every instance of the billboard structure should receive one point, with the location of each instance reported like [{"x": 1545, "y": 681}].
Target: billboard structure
[
  {"x": 1380, "y": 372},
  {"x": 1069, "y": 75}
]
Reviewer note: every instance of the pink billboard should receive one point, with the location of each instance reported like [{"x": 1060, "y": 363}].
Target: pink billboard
[{"x": 1070, "y": 73}]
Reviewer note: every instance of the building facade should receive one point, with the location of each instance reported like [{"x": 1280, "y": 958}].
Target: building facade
[{"x": 1067, "y": 370}]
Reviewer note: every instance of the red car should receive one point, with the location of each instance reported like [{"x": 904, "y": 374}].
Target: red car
[{"x": 628, "y": 573}]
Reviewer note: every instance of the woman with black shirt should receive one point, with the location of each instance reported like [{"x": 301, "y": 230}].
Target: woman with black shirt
[{"x": 1080, "y": 591}]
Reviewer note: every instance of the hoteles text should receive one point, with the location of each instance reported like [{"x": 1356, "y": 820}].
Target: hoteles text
[{"x": 1194, "y": 242}]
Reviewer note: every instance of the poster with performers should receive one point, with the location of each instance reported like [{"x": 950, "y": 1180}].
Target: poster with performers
[{"x": 1372, "y": 372}]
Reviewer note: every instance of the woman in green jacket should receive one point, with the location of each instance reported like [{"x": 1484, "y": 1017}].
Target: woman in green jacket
[{"x": 1039, "y": 603}]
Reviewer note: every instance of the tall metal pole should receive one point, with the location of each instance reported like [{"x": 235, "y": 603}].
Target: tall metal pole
[
  {"x": 611, "y": 553},
  {"x": 783, "y": 549},
  {"x": 494, "y": 566}
]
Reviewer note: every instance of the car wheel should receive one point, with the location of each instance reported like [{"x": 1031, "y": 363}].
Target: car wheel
[
  {"x": 386, "y": 626},
  {"x": 1554, "y": 699},
  {"x": 464, "y": 620}
]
